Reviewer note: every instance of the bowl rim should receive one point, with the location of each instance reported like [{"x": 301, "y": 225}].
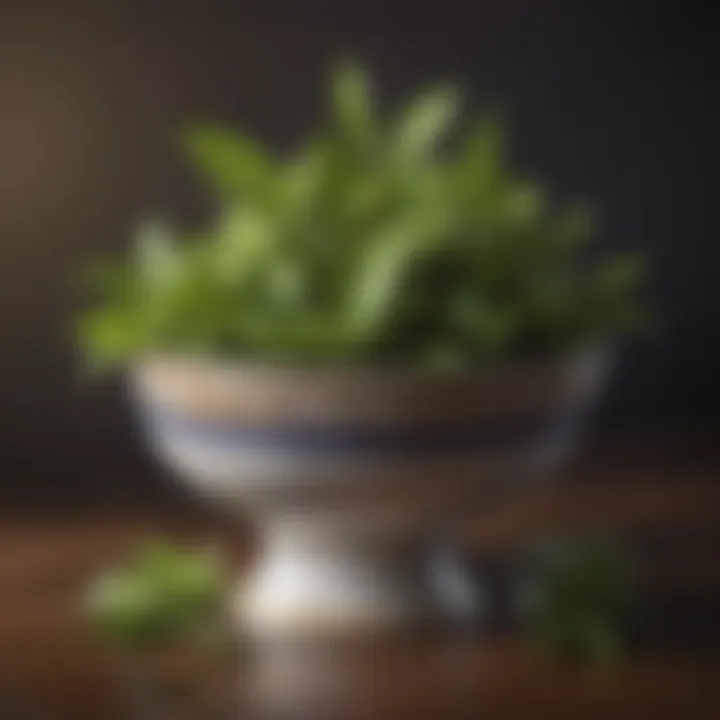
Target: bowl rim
[{"x": 601, "y": 355}]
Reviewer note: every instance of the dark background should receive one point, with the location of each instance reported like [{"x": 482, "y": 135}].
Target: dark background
[{"x": 612, "y": 101}]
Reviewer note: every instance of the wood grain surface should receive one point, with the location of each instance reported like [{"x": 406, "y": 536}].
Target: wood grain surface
[{"x": 667, "y": 506}]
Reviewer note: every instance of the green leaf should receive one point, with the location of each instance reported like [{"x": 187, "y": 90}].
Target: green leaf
[
  {"x": 302, "y": 182},
  {"x": 157, "y": 258},
  {"x": 353, "y": 105},
  {"x": 368, "y": 243},
  {"x": 235, "y": 166},
  {"x": 164, "y": 593},
  {"x": 246, "y": 240},
  {"x": 574, "y": 596},
  {"x": 424, "y": 124},
  {"x": 287, "y": 284},
  {"x": 108, "y": 335},
  {"x": 383, "y": 268},
  {"x": 474, "y": 318},
  {"x": 480, "y": 176}
]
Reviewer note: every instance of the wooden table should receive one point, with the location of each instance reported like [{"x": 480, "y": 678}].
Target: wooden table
[{"x": 667, "y": 504}]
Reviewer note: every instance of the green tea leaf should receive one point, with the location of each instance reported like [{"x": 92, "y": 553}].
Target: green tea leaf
[
  {"x": 481, "y": 166},
  {"x": 370, "y": 242},
  {"x": 157, "y": 258},
  {"x": 164, "y": 593},
  {"x": 574, "y": 596},
  {"x": 353, "y": 105},
  {"x": 246, "y": 239},
  {"x": 383, "y": 269},
  {"x": 235, "y": 166},
  {"x": 425, "y": 124}
]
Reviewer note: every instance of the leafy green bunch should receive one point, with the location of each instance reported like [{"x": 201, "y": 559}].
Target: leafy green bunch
[
  {"x": 163, "y": 594},
  {"x": 382, "y": 239},
  {"x": 575, "y": 596}
]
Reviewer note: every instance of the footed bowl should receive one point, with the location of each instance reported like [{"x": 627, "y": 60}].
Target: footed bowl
[{"x": 350, "y": 473}]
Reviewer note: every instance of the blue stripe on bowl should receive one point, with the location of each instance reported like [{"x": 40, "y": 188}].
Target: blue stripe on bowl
[{"x": 469, "y": 438}]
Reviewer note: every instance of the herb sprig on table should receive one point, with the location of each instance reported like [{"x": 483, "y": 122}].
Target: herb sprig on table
[
  {"x": 575, "y": 595},
  {"x": 164, "y": 594}
]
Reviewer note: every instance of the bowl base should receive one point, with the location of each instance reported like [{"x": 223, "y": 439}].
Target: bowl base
[{"x": 328, "y": 588}]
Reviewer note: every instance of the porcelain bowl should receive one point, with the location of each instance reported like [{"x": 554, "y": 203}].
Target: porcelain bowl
[{"x": 350, "y": 472}]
